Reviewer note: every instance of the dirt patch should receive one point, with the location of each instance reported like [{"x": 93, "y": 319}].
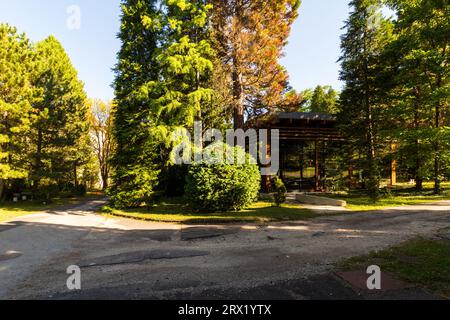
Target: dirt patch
[
  {"x": 195, "y": 233},
  {"x": 140, "y": 256},
  {"x": 10, "y": 255}
]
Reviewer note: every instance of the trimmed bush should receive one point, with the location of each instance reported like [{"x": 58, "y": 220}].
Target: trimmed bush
[
  {"x": 221, "y": 186},
  {"x": 280, "y": 191}
]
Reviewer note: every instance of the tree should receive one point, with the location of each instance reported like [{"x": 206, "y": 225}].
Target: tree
[
  {"x": 101, "y": 126},
  {"x": 185, "y": 64},
  {"x": 324, "y": 100},
  {"x": 135, "y": 155},
  {"x": 59, "y": 131},
  {"x": 421, "y": 56},
  {"x": 163, "y": 82},
  {"x": 249, "y": 39},
  {"x": 17, "y": 61},
  {"x": 367, "y": 33}
]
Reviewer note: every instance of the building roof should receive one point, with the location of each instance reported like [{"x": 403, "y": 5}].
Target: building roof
[{"x": 305, "y": 116}]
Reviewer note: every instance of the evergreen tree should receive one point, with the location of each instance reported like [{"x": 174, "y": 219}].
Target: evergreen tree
[
  {"x": 59, "y": 145},
  {"x": 324, "y": 100},
  {"x": 186, "y": 65},
  {"x": 250, "y": 37},
  {"x": 420, "y": 56},
  {"x": 135, "y": 156},
  {"x": 367, "y": 33},
  {"x": 17, "y": 61},
  {"x": 163, "y": 82}
]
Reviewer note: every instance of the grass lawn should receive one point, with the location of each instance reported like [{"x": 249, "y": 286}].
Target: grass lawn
[
  {"x": 176, "y": 211},
  {"x": 423, "y": 262},
  {"x": 400, "y": 196},
  {"x": 10, "y": 210}
]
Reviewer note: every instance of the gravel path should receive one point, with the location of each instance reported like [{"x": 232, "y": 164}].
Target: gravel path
[{"x": 129, "y": 259}]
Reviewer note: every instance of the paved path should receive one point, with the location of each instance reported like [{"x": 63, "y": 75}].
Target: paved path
[{"x": 129, "y": 259}]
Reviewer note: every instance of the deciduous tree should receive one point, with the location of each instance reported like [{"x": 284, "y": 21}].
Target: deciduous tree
[{"x": 101, "y": 127}]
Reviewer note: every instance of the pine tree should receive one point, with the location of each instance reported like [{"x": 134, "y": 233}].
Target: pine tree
[
  {"x": 59, "y": 145},
  {"x": 421, "y": 55},
  {"x": 324, "y": 100},
  {"x": 16, "y": 65},
  {"x": 164, "y": 81},
  {"x": 250, "y": 37},
  {"x": 367, "y": 33},
  {"x": 135, "y": 157},
  {"x": 185, "y": 64}
]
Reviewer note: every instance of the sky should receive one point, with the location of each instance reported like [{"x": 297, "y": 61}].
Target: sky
[{"x": 310, "y": 58}]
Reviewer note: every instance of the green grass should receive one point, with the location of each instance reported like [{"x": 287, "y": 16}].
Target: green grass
[
  {"x": 10, "y": 210},
  {"x": 178, "y": 212},
  {"x": 422, "y": 262},
  {"x": 400, "y": 196}
]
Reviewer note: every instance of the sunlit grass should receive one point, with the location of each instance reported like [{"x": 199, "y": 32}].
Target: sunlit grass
[
  {"x": 178, "y": 212},
  {"x": 419, "y": 261},
  {"x": 402, "y": 195}
]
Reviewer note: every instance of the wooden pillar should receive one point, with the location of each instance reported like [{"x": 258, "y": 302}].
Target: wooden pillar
[
  {"x": 267, "y": 180},
  {"x": 302, "y": 162},
  {"x": 316, "y": 161},
  {"x": 324, "y": 165}
]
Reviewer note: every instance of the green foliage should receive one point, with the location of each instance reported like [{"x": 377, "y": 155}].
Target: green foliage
[
  {"x": 324, "y": 99},
  {"x": 60, "y": 130},
  {"x": 17, "y": 61},
  {"x": 136, "y": 155},
  {"x": 419, "y": 92},
  {"x": 137, "y": 190},
  {"x": 361, "y": 104},
  {"x": 223, "y": 187},
  {"x": 43, "y": 133},
  {"x": 280, "y": 191},
  {"x": 162, "y": 83}
]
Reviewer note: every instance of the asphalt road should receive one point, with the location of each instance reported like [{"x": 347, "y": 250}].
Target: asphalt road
[{"x": 126, "y": 259}]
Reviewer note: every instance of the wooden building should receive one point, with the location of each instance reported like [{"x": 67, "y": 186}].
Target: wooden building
[{"x": 306, "y": 141}]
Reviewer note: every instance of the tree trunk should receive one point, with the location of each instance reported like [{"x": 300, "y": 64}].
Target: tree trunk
[
  {"x": 104, "y": 179},
  {"x": 75, "y": 174},
  {"x": 418, "y": 176},
  {"x": 38, "y": 164},
  {"x": 419, "y": 180},
  {"x": 238, "y": 88},
  {"x": 2, "y": 187},
  {"x": 437, "y": 164},
  {"x": 372, "y": 170},
  {"x": 238, "y": 100},
  {"x": 373, "y": 184}
]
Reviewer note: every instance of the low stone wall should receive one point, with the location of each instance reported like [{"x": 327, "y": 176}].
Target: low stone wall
[{"x": 320, "y": 201}]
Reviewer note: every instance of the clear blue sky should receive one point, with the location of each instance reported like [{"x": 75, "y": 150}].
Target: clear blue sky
[{"x": 310, "y": 57}]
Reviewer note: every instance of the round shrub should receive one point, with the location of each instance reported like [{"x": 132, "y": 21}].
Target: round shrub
[{"x": 220, "y": 187}]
